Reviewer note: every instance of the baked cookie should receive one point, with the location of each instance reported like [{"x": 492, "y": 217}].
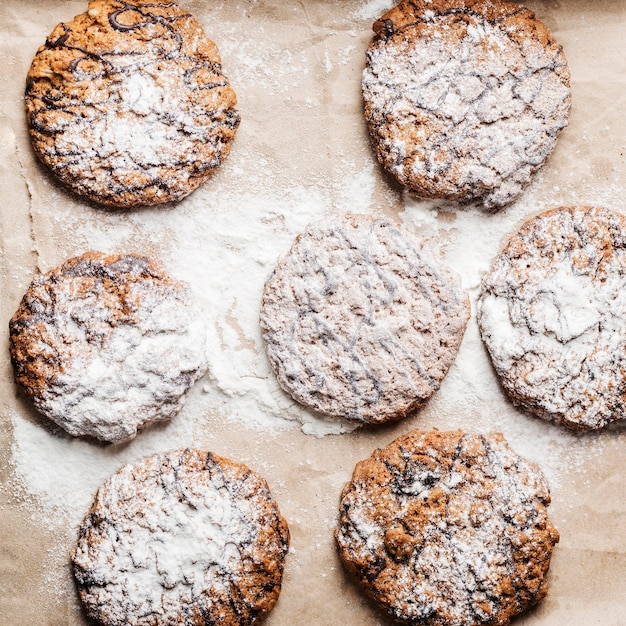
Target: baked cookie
[
  {"x": 358, "y": 323},
  {"x": 552, "y": 313},
  {"x": 182, "y": 538},
  {"x": 464, "y": 99},
  {"x": 106, "y": 345},
  {"x": 127, "y": 103},
  {"x": 448, "y": 529}
]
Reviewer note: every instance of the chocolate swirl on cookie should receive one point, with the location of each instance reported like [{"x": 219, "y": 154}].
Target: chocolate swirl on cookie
[
  {"x": 358, "y": 323},
  {"x": 127, "y": 104},
  {"x": 149, "y": 17},
  {"x": 464, "y": 99}
]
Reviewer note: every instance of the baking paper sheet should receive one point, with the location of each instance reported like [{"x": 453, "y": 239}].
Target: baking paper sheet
[{"x": 301, "y": 153}]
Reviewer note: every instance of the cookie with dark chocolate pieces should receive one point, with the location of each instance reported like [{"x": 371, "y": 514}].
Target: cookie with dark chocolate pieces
[
  {"x": 464, "y": 99},
  {"x": 358, "y": 323},
  {"x": 127, "y": 103},
  {"x": 552, "y": 314},
  {"x": 447, "y": 529},
  {"x": 106, "y": 345},
  {"x": 184, "y": 538}
]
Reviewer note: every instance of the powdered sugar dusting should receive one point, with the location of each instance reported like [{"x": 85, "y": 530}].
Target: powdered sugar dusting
[
  {"x": 373, "y": 9},
  {"x": 551, "y": 314},
  {"x": 182, "y": 527},
  {"x": 107, "y": 345},
  {"x": 460, "y": 109},
  {"x": 436, "y": 525},
  {"x": 69, "y": 470},
  {"x": 130, "y": 113},
  {"x": 357, "y": 323}
]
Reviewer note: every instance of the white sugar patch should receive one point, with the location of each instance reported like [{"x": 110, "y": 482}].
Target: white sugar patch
[
  {"x": 181, "y": 527},
  {"x": 63, "y": 473},
  {"x": 373, "y": 9}
]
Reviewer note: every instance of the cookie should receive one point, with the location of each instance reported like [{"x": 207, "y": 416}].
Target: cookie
[
  {"x": 552, "y": 313},
  {"x": 464, "y": 99},
  {"x": 448, "y": 529},
  {"x": 358, "y": 323},
  {"x": 127, "y": 103},
  {"x": 181, "y": 538},
  {"x": 106, "y": 345}
]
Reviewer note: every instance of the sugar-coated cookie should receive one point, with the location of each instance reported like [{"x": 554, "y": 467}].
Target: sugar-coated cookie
[
  {"x": 127, "y": 103},
  {"x": 447, "y": 529},
  {"x": 185, "y": 538},
  {"x": 552, "y": 313},
  {"x": 464, "y": 99},
  {"x": 358, "y": 323},
  {"x": 106, "y": 345}
]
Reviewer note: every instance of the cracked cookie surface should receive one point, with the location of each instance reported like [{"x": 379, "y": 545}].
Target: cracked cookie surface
[
  {"x": 552, "y": 315},
  {"x": 447, "y": 529},
  {"x": 358, "y": 323},
  {"x": 464, "y": 100},
  {"x": 127, "y": 103},
  {"x": 185, "y": 538},
  {"x": 106, "y": 345}
]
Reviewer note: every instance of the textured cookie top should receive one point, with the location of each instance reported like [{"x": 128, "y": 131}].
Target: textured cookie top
[
  {"x": 448, "y": 529},
  {"x": 357, "y": 323},
  {"x": 127, "y": 103},
  {"x": 184, "y": 538},
  {"x": 107, "y": 344},
  {"x": 464, "y": 99},
  {"x": 552, "y": 313}
]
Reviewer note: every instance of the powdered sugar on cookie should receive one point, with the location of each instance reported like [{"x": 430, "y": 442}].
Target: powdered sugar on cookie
[
  {"x": 358, "y": 323},
  {"x": 178, "y": 536},
  {"x": 448, "y": 528},
  {"x": 551, "y": 314},
  {"x": 128, "y": 105},
  {"x": 107, "y": 345},
  {"x": 464, "y": 101}
]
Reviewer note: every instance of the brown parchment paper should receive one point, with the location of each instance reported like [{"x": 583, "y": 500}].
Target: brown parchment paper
[{"x": 296, "y": 67}]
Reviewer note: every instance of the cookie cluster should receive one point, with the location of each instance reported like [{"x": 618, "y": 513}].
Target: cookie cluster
[{"x": 464, "y": 100}]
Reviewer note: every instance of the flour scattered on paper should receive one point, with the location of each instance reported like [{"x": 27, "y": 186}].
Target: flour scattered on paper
[
  {"x": 373, "y": 9},
  {"x": 225, "y": 246},
  {"x": 63, "y": 472},
  {"x": 224, "y": 241}
]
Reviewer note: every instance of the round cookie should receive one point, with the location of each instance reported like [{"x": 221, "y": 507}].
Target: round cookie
[
  {"x": 185, "y": 537},
  {"x": 358, "y": 324},
  {"x": 106, "y": 345},
  {"x": 552, "y": 313},
  {"x": 447, "y": 529},
  {"x": 127, "y": 103},
  {"x": 464, "y": 99}
]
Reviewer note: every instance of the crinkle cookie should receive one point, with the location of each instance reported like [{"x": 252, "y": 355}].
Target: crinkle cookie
[
  {"x": 552, "y": 313},
  {"x": 127, "y": 103},
  {"x": 358, "y": 323},
  {"x": 464, "y": 99},
  {"x": 448, "y": 529},
  {"x": 106, "y": 345},
  {"x": 185, "y": 538}
]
